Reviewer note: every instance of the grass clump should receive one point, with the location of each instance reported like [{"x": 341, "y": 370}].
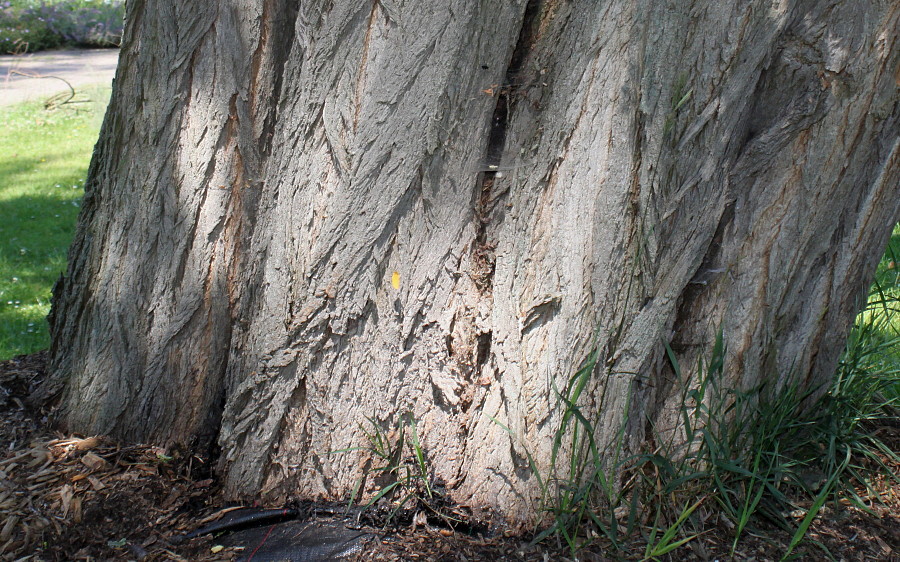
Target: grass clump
[
  {"x": 396, "y": 463},
  {"x": 773, "y": 453},
  {"x": 35, "y": 25},
  {"x": 44, "y": 155}
]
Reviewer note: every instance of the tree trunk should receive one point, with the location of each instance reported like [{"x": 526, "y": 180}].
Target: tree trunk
[{"x": 301, "y": 215}]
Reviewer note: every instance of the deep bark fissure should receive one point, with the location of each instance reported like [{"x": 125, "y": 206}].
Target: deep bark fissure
[
  {"x": 279, "y": 25},
  {"x": 506, "y": 93},
  {"x": 476, "y": 353}
]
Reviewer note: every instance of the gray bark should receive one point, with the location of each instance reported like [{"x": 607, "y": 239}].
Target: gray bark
[{"x": 534, "y": 175}]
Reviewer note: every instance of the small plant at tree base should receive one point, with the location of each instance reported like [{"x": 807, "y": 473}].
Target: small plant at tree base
[
  {"x": 397, "y": 467},
  {"x": 597, "y": 491}
]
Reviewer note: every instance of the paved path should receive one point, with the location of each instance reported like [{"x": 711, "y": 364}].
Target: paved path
[{"x": 78, "y": 67}]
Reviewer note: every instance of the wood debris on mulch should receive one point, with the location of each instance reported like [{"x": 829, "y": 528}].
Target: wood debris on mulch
[
  {"x": 65, "y": 497},
  {"x": 70, "y": 498}
]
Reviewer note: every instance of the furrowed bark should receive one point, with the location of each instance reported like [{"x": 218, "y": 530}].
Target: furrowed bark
[
  {"x": 142, "y": 323},
  {"x": 543, "y": 178}
]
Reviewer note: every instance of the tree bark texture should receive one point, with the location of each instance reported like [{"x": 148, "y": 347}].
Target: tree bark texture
[{"x": 304, "y": 215}]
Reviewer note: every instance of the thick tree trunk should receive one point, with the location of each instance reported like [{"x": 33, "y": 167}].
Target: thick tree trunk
[{"x": 298, "y": 217}]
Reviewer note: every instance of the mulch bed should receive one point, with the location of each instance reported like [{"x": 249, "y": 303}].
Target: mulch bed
[{"x": 66, "y": 497}]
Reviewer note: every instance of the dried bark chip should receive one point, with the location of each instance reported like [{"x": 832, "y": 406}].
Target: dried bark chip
[
  {"x": 41, "y": 455},
  {"x": 76, "y": 510},
  {"x": 885, "y": 548},
  {"x": 96, "y": 483},
  {"x": 87, "y": 444},
  {"x": 8, "y": 527},
  {"x": 173, "y": 497},
  {"x": 65, "y": 496},
  {"x": 94, "y": 462}
]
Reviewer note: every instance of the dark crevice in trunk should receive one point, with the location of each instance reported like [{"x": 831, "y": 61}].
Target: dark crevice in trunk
[
  {"x": 710, "y": 269},
  {"x": 505, "y": 99},
  {"x": 483, "y": 350},
  {"x": 483, "y": 251},
  {"x": 206, "y": 441},
  {"x": 243, "y": 271},
  {"x": 281, "y": 23},
  {"x": 684, "y": 339}
]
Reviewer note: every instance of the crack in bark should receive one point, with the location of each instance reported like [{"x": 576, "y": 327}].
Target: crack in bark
[
  {"x": 363, "y": 63},
  {"x": 277, "y": 34},
  {"x": 483, "y": 250}
]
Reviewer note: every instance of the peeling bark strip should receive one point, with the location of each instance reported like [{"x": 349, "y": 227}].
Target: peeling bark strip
[{"x": 293, "y": 222}]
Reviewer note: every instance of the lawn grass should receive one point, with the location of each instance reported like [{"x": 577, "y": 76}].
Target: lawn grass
[
  {"x": 884, "y": 299},
  {"x": 44, "y": 156}
]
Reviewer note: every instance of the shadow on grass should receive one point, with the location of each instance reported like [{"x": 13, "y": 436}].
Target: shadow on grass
[
  {"x": 16, "y": 171},
  {"x": 35, "y": 232}
]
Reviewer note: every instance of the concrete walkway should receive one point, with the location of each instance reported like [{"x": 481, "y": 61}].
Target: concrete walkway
[{"x": 78, "y": 67}]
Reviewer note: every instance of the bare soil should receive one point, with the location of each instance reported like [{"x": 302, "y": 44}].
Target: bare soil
[{"x": 68, "y": 497}]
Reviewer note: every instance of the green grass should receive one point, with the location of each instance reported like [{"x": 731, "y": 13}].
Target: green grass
[
  {"x": 399, "y": 469},
  {"x": 36, "y": 25},
  {"x": 882, "y": 314},
  {"x": 31, "y": 3},
  {"x": 44, "y": 155}
]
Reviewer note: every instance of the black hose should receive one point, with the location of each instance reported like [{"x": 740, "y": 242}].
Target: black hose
[{"x": 244, "y": 518}]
